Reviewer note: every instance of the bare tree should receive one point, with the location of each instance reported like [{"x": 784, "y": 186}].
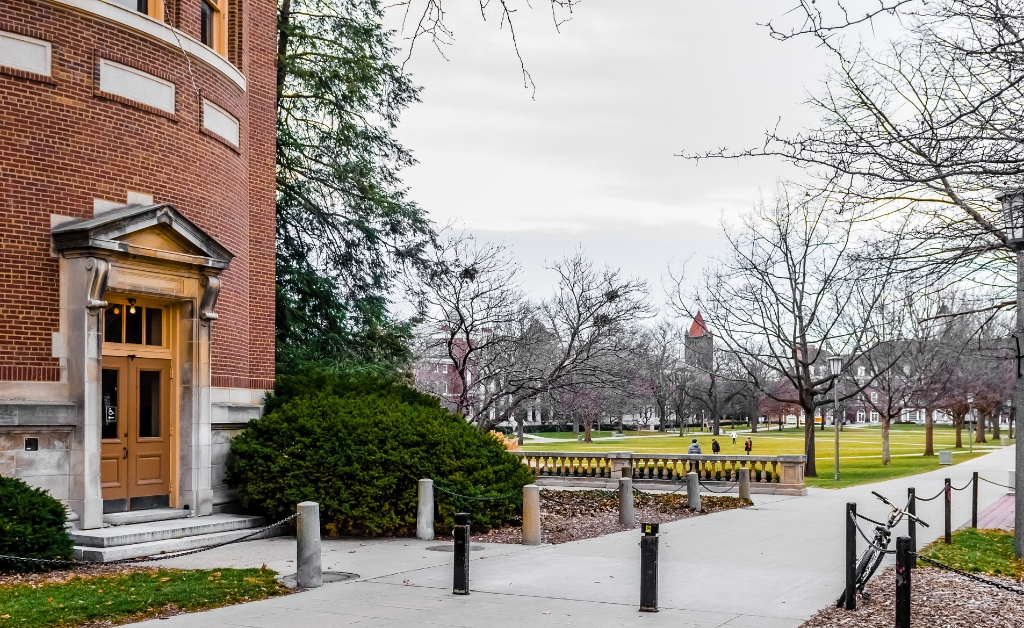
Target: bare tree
[
  {"x": 658, "y": 357},
  {"x": 927, "y": 125},
  {"x": 788, "y": 294},
  {"x": 506, "y": 351}
]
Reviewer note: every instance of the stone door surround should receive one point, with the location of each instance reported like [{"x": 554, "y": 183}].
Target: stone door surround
[{"x": 139, "y": 251}]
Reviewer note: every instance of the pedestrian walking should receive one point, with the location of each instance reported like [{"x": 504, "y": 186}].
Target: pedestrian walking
[
  {"x": 747, "y": 446},
  {"x": 733, "y": 434},
  {"x": 694, "y": 448},
  {"x": 715, "y": 447}
]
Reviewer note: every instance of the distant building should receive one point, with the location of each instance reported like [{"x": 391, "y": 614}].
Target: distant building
[{"x": 699, "y": 346}]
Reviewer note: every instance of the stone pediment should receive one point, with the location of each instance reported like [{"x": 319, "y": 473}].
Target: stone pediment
[{"x": 156, "y": 231}]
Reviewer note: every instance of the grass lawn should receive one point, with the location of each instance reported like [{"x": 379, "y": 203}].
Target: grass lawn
[
  {"x": 980, "y": 551},
  {"x": 860, "y": 449},
  {"x": 131, "y": 596}
]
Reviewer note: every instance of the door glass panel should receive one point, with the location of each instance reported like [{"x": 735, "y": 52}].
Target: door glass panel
[
  {"x": 133, "y": 325},
  {"x": 154, "y": 326},
  {"x": 149, "y": 404},
  {"x": 109, "y": 394},
  {"x": 112, "y": 318}
]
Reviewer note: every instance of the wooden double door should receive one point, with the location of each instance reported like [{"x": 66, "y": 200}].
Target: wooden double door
[{"x": 135, "y": 462}]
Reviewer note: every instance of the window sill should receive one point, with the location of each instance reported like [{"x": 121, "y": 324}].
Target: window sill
[{"x": 160, "y": 31}]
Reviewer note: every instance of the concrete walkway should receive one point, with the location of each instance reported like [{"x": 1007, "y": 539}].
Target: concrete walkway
[{"x": 771, "y": 565}]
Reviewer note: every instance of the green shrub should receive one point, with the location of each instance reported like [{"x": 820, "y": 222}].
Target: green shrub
[
  {"x": 31, "y": 525},
  {"x": 359, "y": 447}
]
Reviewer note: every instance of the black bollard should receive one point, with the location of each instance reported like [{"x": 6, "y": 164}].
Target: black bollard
[
  {"x": 903, "y": 571},
  {"x": 851, "y": 556},
  {"x": 911, "y": 524},
  {"x": 948, "y": 491},
  {"x": 974, "y": 501},
  {"x": 460, "y": 585},
  {"x": 649, "y": 568}
]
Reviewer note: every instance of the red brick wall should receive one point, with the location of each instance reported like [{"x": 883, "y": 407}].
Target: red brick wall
[{"x": 61, "y": 146}]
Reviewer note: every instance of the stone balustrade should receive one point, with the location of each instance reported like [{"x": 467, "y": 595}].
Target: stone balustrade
[{"x": 781, "y": 475}]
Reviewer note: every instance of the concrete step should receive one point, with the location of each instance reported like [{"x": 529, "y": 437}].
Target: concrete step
[
  {"x": 153, "y": 531},
  {"x": 144, "y": 516},
  {"x": 151, "y": 548}
]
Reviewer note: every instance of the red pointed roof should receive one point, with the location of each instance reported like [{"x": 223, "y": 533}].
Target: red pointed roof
[{"x": 698, "y": 328}]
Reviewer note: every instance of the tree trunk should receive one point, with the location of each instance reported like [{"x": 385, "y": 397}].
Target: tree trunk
[
  {"x": 886, "y": 459},
  {"x": 753, "y": 423},
  {"x": 520, "y": 417},
  {"x": 575, "y": 425},
  {"x": 810, "y": 469},
  {"x": 620, "y": 424},
  {"x": 958, "y": 421},
  {"x": 929, "y": 448},
  {"x": 995, "y": 425},
  {"x": 979, "y": 428},
  {"x": 587, "y": 431},
  {"x": 716, "y": 422}
]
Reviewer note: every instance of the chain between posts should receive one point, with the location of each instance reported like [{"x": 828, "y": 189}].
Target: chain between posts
[
  {"x": 995, "y": 483},
  {"x": 993, "y": 583},
  {"x": 964, "y": 487},
  {"x": 708, "y": 488},
  {"x": 145, "y": 559},
  {"x": 481, "y": 498},
  {"x": 933, "y": 497}
]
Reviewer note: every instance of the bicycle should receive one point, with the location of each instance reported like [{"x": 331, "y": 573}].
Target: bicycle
[{"x": 872, "y": 557}]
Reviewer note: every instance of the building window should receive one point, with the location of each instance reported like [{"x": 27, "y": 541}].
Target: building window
[
  {"x": 860, "y": 371},
  {"x": 874, "y": 417},
  {"x": 152, "y": 8},
  {"x": 213, "y": 27},
  {"x": 133, "y": 324},
  {"x": 874, "y": 397},
  {"x": 860, "y": 416}
]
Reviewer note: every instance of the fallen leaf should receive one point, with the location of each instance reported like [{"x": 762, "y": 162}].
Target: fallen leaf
[
  {"x": 547, "y": 612},
  {"x": 164, "y": 579}
]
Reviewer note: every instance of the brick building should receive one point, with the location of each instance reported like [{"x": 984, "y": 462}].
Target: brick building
[{"x": 136, "y": 246}]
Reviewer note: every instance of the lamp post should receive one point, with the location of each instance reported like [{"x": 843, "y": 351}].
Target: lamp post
[
  {"x": 970, "y": 424},
  {"x": 835, "y": 367},
  {"x": 1013, "y": 220}
]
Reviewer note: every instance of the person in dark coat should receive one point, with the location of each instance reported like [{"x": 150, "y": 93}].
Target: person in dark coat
[
  {"x": 747, "y": 446},
  {"x": 715, "y": 447}
]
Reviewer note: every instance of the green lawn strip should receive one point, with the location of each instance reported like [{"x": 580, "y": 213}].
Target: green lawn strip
[
  {"x": 979, "y": 551},
  {"x": 131, "y": 596}
]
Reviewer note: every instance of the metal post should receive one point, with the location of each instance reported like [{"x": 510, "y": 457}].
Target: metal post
[
  {"x": 649, "y": 568},
  {"x": 851, "y": 556},
  {"x": 948, "y": 496},
  {"x": 974, "y": 501},
  {"x": 911, "y": 524},
  {"x": 460, "y": 584},
  {"x": 425, "y": 511},
  {"x": 903, "y": 571},
  {"x": 308, "y": 565},
  {"x": 693, "y": 490},
  {"x": 835, "y": 422},
  {"x": 531, "y": 514},
  {"x": 626, "y": 516},
  {"x": 745, "y": 483}
]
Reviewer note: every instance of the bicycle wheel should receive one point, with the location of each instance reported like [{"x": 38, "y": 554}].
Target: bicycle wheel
[
  {"x": 862, "y": 565},
  {"x": 863, "y": 580}
]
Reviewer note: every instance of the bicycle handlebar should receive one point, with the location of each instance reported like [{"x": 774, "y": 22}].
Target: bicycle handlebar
[{"x": 902, "y": 512}]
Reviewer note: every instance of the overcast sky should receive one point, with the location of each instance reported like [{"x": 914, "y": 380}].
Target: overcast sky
[{"x": 588, "y": 159}]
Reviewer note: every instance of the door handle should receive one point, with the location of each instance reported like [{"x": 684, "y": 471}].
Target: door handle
[{"x": 125, "y": 452}]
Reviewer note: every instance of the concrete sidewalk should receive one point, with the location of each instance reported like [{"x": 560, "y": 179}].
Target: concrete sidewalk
[{"x": 771, "y": 565}]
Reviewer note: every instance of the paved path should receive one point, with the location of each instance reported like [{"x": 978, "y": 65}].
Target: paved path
[
  {"x": 768, "y": 566},
  {"x": 998, "y": 515}
]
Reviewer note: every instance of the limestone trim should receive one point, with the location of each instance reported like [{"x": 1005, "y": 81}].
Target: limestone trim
[{"x": 161, "y": 32}]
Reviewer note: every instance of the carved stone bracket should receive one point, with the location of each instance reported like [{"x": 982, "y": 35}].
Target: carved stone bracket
[
  {"x": 209, "y": 300},
  {"x": 98, "y": 284}
]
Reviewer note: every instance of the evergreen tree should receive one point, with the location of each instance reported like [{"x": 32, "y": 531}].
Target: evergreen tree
[{"x": 344, "y": 222}]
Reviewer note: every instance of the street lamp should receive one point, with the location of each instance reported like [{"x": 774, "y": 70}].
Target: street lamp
[
  {"x": 970, "y": 425},
  {"x": 835, "y": 367},
  {"x": 1013, "y": 220}
]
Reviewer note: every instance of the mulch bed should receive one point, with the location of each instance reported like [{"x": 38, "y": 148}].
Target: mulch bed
[
  {"x": 576, "y": 515},
  {"x": 939, "y": 599}
]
